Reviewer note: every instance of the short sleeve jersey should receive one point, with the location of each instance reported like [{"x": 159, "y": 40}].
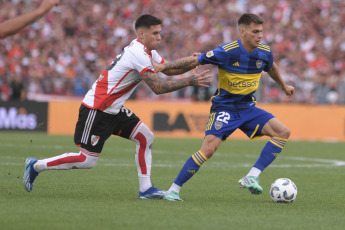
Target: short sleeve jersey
[
  {"x": 120, "y": 78},
  {"x": 239, "y": 74}
]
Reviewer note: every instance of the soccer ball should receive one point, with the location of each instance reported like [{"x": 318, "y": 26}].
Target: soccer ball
[{"x": 283, "y": 190}]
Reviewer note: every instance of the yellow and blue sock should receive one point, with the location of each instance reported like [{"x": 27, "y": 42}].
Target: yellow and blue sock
[
  {"x": 191, "y": 166},
  {"x": 270, "y": 152}
]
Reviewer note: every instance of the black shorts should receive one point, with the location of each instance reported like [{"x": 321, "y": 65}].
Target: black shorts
[{"x": 94, "y": 127}]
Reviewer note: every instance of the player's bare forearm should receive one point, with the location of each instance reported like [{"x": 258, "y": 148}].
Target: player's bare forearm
[
  {"x": 184, "y": 64},
  {"x": 275, "y": 75},
  {"x": 160, "y": 86},
  {"x": 171, "y": 72}
]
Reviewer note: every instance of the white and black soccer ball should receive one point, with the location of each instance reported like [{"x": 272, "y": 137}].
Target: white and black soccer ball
[{"x": 283, "y": 190}]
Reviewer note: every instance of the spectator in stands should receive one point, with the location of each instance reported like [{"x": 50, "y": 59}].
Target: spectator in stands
[
  {"x": 307, "y": 37},
  {"x": 15, "y": 24}
]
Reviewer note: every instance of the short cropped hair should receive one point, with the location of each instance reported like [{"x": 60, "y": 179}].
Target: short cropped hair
[
  {"x": 248, "y": 18},
  {"x": 147, "y": 21}
]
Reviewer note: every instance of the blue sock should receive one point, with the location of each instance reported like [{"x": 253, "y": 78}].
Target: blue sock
[
  {"x": 191, "y": 166},
  {"x": 270, "y": 152}
]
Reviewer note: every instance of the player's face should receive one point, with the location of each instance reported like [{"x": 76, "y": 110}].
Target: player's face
[
  {"x": 151, "y": 37},
  {"x": 252, "y": 35}
]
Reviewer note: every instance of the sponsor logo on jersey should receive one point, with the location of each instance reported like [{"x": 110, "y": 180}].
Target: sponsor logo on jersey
[
  {"x": 243, "y": 84},
  {"x": 259, "y": 63},
  {"x": 236, "y": 64},
  {"x": 209, "y": 54},
  {"x": 94, "y": 140},
  {"x": 218, "y": 125}
]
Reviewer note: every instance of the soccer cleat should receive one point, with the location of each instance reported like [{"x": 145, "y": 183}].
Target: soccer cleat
[
  {"x": 29, "y": 174},
  {"x": 152, "y": 193},
  {"x": 172, "y": 196},
  {"x": 251, "y": 183}
]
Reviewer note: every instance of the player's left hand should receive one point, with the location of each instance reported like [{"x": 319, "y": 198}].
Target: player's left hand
[
  {"x": 199, "y": 79},
  {"x": 289, "y": 90},
  {"x": 157, "y": 67}
]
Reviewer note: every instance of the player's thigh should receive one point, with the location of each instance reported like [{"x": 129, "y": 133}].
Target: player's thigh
[
  {"x": 275, "y": 128},
  {"x": 128, "y": 122},
  {"x": 222, "y": 124},
  {"x": 254, "y": 119}
]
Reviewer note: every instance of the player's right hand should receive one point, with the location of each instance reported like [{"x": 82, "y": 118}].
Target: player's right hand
[{"x": 289, "y": 90}]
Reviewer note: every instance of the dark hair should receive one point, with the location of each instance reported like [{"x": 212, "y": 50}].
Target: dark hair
[
  {"x": 248, "y": 18},
  {"x": 146, "y": 21}
]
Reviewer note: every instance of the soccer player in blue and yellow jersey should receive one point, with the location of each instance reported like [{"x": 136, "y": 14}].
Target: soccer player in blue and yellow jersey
[{"x": 240, "y": 65}]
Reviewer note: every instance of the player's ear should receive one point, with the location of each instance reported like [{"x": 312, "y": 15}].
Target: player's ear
[
  {"x": 140, "y": 33},
  {"x": 242, "y": 30}
]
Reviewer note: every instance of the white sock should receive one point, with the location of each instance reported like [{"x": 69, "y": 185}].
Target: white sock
[
  {"x": 254, "y": 172},
  {"x": 144, "y": 183},
  {"x": 82, "y": 160},
  {"x": 175, "y": 187}
]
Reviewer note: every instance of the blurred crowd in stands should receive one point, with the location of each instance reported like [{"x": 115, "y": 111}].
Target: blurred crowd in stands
[{"x": 63, "y": 53}]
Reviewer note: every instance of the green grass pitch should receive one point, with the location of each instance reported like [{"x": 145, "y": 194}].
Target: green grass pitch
[{"x": 105, "y": 197}]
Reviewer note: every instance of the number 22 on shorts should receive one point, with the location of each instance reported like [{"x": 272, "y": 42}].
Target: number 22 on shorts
[{"x": 223, "y": 117}]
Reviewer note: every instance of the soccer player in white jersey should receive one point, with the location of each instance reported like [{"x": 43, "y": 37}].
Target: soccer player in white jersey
[{"x": 102, "y": 113}]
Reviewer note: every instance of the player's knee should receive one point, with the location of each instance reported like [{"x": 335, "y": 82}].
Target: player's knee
[
  {"x": 149, "y": 136},
  {"x": 285, "y": 133},
  {"x": 147, "y": 132},
  {"x": 144, "y": 134},
  {"x": 87, "y": 161},
  {"x": 209, "y": 150}
]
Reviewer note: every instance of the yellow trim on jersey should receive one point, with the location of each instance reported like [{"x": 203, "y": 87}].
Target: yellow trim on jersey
[
  {"x": 231, "y": 46},
  {"x": 216, "y": 94},
  {"x": 264, "y": 47},
  {"x": 237, "y": 83}
]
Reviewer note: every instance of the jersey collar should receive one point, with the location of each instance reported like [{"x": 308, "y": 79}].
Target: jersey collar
[{"x": 244, "y": 50}]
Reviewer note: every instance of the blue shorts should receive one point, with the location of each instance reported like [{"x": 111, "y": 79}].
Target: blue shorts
[{"x": 251, "y": 121}]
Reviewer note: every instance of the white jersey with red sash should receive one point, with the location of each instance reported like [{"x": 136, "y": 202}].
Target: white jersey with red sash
[{"x": 120, "y": 78}]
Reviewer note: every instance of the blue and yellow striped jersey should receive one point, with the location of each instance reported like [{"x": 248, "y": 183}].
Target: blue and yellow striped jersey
[{"x": 239, "y": 74}]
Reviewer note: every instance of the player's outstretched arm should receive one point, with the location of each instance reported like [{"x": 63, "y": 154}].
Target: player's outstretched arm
[
  {"x": 275, "y": 75},
  {"x": 186, "y": 63},
  {"x": 171, "y": 72},
  {"x": 160, "y": 86},
  {"x": 14, "y": 25}
]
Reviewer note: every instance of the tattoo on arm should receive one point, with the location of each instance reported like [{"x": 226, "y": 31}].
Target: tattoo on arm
[
  {"x": 183, "y": 63},
  {"x": 160, "y": 86},
  {"x": 193, "y": 80}
]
